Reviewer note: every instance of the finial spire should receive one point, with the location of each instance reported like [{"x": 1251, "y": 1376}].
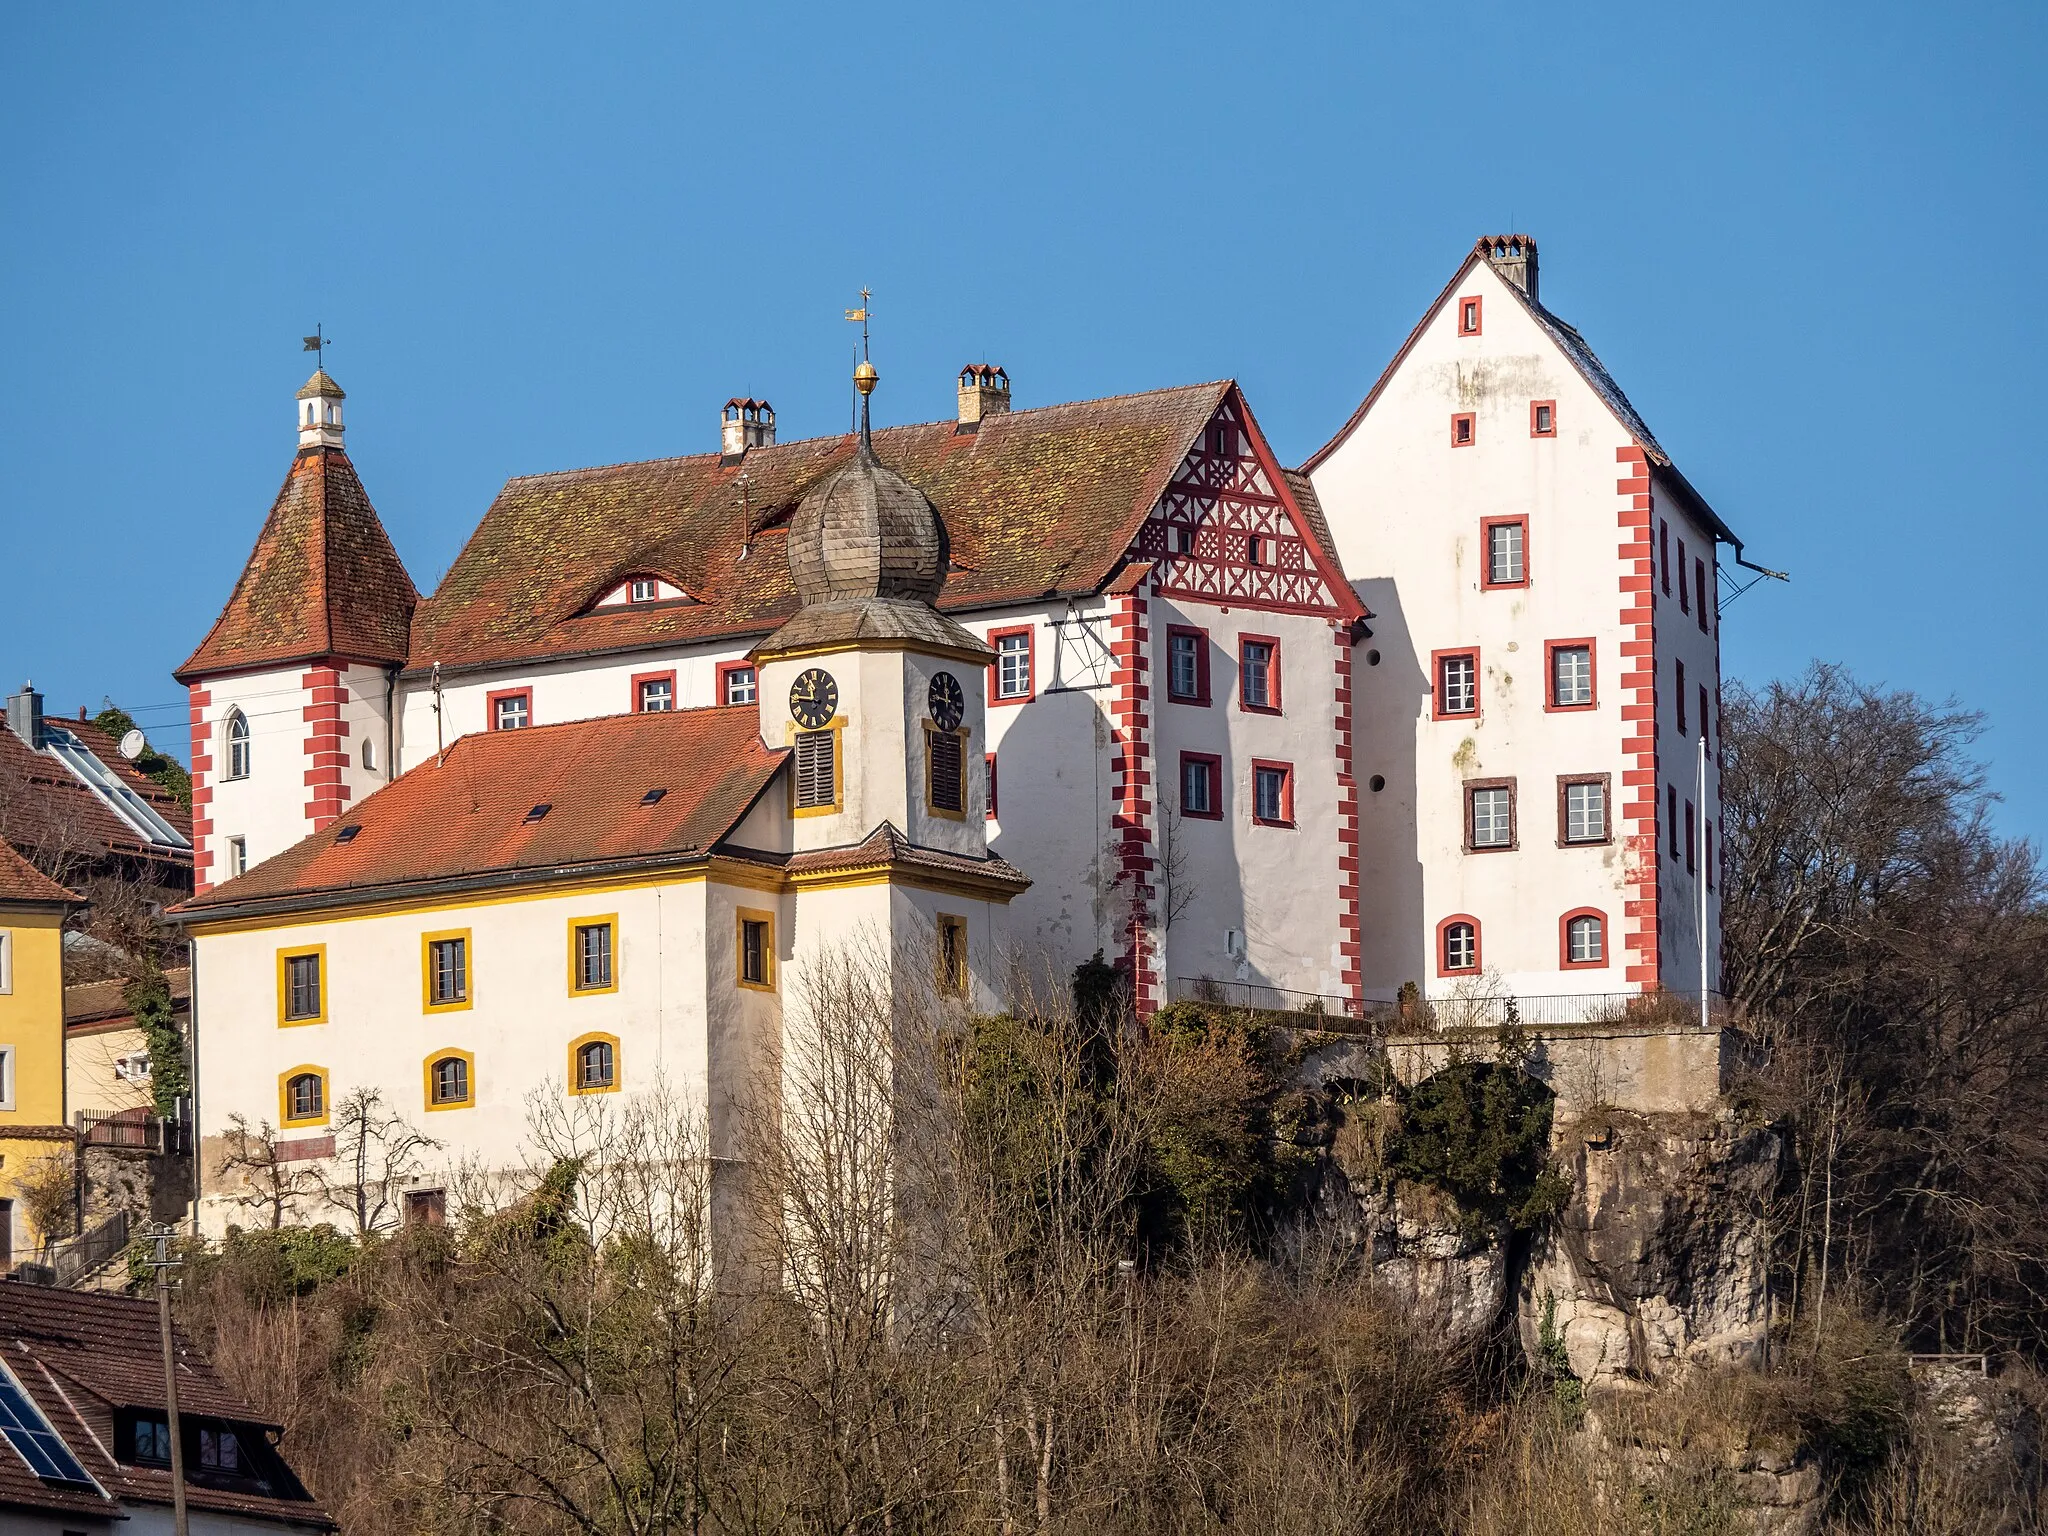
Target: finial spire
[{"x": 864, "y": 376}]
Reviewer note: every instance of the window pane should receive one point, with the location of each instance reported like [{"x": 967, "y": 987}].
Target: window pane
[
  {"x": 656, "y": 695},
  {"x": 1013, "y": 666},
  {"x": 451, "y": 1080},
  {"x": 512, "y": 713},
  {"x": 1586, "y": 941},
  {"x": 1257, "y": 674},
  {"x": 1269, "y": 790},
  {"x": 1572, "y": 675},
  {"x": 450, "y": 970},
  {"x": 1490, "y": 819},
  {"x": 739, "y": 686},
  {"x": 595, "y": 1064},
  {"x": 302, "y": 976},
  {"x": 1585, "y": 813},
  {"x": 1459, "y": 695},
  {"x": 1504, "y": 553},
  {"x": 1184, "y": 666},
  {"x": 594, "y": 955},
  {"x": 1461, "y": 947},
  {"x": 1194, "y": 788},
  {"x": 754, "y": 952}
]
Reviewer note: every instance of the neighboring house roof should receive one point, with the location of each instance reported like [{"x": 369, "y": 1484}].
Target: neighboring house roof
[
  {"x": 323, "y": 580},
  {"x": 1037, "y": 504},
  {"x": 1576, "y": 348},
  {"x": 886, "y": 849},
  {"x": 82, "y": 1356},
  {"x": 92, "y": 1007},
  {"x": 47, "y": 810},
  {"x": 464, "y": 817},
  {"x": 21, "y": 881}
]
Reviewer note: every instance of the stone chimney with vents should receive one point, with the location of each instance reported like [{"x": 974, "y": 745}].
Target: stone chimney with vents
[
  {"x": 1514, "y": 258},
  {"x": 745, "y": 423},
  {"x": 25, "y": 715},
  {"x": 984, "y": 392}
]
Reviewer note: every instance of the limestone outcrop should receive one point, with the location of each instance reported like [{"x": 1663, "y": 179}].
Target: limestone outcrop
[{"x": 1656, "y": 1262}]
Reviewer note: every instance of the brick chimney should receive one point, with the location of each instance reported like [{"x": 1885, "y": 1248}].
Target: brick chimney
[
  {"x": 25, "y": 715},
  {"x": 984, "y": 392},
  {"x": 745, "y": 423},
  {"x": 1514, "y": 258}
]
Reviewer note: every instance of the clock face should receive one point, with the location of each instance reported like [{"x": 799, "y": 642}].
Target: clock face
[
  {"x": 946, "y": 701},
  {"x": 814, "y": 698}
]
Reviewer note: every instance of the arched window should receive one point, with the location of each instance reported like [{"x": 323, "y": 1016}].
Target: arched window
[
  {"x": 1582, "y": 939},
  {"x": 238, "y": 745},
  {"x": 595, "y": 1065},
  {"x": 1457, "y": 945},
  {"x": 302, "y": 1096},
  {"x": 451, "y": 1082}
]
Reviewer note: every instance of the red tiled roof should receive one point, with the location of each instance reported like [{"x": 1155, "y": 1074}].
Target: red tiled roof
[
  {"x": 464, "y": 815},
  {"x": 82, "y": 1355},
  {"x": 45, "y": 809},
  {"x": 887, "y": 848},
  {"x": 323, "y": 580},
  {"x": 22, "y": 881},
  {"x": 1036, "y": 503}
]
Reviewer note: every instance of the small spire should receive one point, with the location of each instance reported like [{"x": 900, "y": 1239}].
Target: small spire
[{"x": 319, "y": 407}]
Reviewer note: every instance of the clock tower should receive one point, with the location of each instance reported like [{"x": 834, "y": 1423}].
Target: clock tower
[{"x": 877, "y": 694}]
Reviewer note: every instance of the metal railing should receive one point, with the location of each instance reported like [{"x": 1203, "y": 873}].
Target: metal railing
[
  {"x": 133, "y": 1132},
  {"x": 1477, "y": 1009},
  {"x": 63, "y": 1264}
]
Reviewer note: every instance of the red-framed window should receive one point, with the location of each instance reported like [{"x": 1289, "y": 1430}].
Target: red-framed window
[
  {"x": 1013, "y": 675},
  {"x": 1543, "y": 418},
  {"x": 1258, "y": 674},
  {"x": 1684, "y": 602},
  {"x": 1678, "y": 693},
  {"x": 1471, "y": 313},
  {"x": 1454, "y": 679},
  {"x": 1582, "y": 939},
  {"x": 1272, "y": 793},
  {"x": 1571, "y": 675},
  {"x": 990, "y": 762},
  {"x": 1457, "y": 945},
  {"x": 1187, "y": 664},
  {"x": 509, "y": 709},
  {"x": 1504, "y": 551},
  {"x": 1464, "y": 429},
  {"x": 1201, "y": 785},
  {"x": 654, "y": 693},
  {"x": 737, "y": 683},
  {"x": 1699, "y": 591}
]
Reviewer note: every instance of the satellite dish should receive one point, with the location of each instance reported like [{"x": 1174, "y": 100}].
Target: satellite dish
[{"x": 133, "y": 745}]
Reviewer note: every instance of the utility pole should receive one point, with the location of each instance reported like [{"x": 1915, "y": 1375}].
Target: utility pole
[{"x": 163, "y": 1264}]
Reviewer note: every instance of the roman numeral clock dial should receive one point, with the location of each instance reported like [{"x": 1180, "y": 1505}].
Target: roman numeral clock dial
[{"x": 813, "y": 699}]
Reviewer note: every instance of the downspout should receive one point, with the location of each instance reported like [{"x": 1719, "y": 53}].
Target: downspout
[
  {"x": 391, "y": 722},
  {"x": 192, "y": 1067}
]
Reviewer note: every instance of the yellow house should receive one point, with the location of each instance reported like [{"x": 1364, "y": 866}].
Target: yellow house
[{"x": 32, "y": 1109}]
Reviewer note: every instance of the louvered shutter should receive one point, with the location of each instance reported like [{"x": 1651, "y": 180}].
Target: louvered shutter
[
  {"x": 945, "y": 762},
  {"x": 814, "y": 775}
]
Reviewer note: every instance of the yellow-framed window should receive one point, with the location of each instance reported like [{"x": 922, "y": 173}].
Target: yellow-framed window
[
  {"x": 593, "y": 955},
  {"x": 449, "y": 1079},
  {"x": 594, "y": 1064},
  {"x": 952, "y": 955},
  {"x": 302, "y": 1096},
  {"x": 754, "y": 949},
  {"x": 447, "y": 982},
  {"x": 302, "y": 985}
]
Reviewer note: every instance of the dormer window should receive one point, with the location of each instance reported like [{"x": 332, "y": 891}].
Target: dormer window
[{"x": 637, "y": 590}]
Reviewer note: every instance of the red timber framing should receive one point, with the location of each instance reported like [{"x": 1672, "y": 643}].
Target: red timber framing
[
  {"x": 1130, "y": 713},
  {"x": 1228, "y": 492},
  {"x": 1638, "y": 681},
  {"x": 202, "y": 789},
  {"x": 324, "y": 732},
  {"x": 1348, "y": 943}
]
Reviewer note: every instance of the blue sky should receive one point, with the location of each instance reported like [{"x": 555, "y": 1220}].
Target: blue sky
[{"x": 1801, "y": 237}]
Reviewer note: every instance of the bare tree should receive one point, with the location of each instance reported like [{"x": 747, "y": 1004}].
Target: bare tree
[
  {"x": 376, "y": 1153},
  {"x": 271, "y": 1182}
]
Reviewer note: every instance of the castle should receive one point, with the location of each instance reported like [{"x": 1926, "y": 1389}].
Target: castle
[{"x": 1438, "y": 707}]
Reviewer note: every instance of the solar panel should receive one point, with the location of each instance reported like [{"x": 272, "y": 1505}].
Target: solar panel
[
  {"x": 29, "y": 1433},
  {"x": 105, "y": 783}
]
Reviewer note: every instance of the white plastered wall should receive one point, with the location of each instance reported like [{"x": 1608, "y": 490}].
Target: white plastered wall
[
  {"x": 1405, "y": 508},
  {"x": 268, "y": 808}
]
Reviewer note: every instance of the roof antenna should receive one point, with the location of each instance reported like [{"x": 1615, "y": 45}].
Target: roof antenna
[{"x": 317, "y": 343}]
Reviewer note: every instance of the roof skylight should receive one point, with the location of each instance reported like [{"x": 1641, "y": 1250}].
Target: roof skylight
[
  {"x": 540, "y": 810},
  {"x": 652, "y": 797}
]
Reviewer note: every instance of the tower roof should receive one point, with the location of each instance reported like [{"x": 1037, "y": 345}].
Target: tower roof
[
  {"x": 321, "y": 387},
  {"x": 323, "y": 580},
  {"x": 865, "y": 531}
]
